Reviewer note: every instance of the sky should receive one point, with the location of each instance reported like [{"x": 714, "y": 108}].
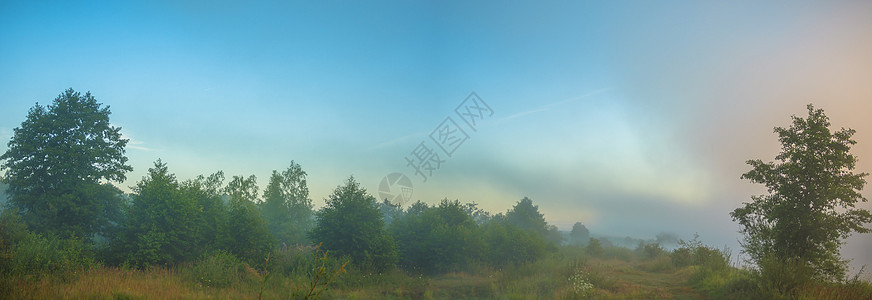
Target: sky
[{"x": 632, "y": 117}]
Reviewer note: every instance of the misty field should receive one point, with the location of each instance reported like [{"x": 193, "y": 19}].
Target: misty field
[
  {"x": 435, "y": 150},
  {"x": 692, "y": 271}
]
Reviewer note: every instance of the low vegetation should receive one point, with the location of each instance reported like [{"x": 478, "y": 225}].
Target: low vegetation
[{"x": 67, "y": 233}]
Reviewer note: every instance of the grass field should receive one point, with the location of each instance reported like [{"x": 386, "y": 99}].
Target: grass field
[{"x": 617, "y": 273}]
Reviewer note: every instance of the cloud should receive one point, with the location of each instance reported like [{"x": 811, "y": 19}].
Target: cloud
[
  {"x": 137, "y": 145},
  {"x": 132, "y": 143},
  {"x": 547, "y": 107},
  {"x": 398, "y": 140}
]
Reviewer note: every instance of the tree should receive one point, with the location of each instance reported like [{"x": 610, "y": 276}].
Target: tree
[
  {"x": 58, "y": 162},
  {"x": 579, "y": 234},
  {"x": 526, "y": 216},
  {"x": 810, "y": 207},
  {"x": 480, "y": 216},
  {"x": 161, "y": 226},
  {"x": 249, "y": 236},
  {"x": 439, "y": 239},
  {"x": 390, "y": 211},
  {"x": 287, "y": 208},
  {"x": 506, "y": 244},
  {"x": 351, "y": 224},
  {"x": 207, "y": 193}
]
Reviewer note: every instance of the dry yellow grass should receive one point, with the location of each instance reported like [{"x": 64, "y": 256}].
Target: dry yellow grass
[
  {"x": 610, "y": 279},
  {"x": 108, "y": 283}
]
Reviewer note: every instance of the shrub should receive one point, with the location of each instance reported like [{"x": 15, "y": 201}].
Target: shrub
[
  {"x": 37, "y": 255},
  {"x": 619, "y": 253},
  {"x": 693, "y": 252},
  {"x": 323, "y": 271},
  {"x": 594, "y": 248},
  {"x": 783, "y": 277},
  {"x": 659, "y": 264},
  {"x": 290, "y": 261},
  {"x": 650, "y": 251},
  {"x": 12, "y": 231},
  {"x": 682, "y": 257},
  {"x": 218, "y": 269}
]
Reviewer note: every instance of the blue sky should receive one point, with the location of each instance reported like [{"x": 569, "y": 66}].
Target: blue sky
[{"x": 632, "y": 117}]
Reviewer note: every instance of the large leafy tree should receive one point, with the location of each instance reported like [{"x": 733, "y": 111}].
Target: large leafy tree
[
  {"x": 526, "y": 216},
  {"x": 810, "y": 207},
  {"x": 161, "y": 225},
  {"x": 506, "y": 244},
  {"x": 207, "y": 193},
  {"x": 59, "y": 163},
  {"x": 287, "y": 208},
  {"x": 579, "y": 234},
  {"x": 248, "y": 233},
  {"x": 351, "y": 224},
  {"x": 437, "y": 239}
]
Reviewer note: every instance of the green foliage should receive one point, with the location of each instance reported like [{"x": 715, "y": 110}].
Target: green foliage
[
  {"x": 162, "y": 225},
  {"x": 526, "y": 216},
  {"x": 594, "y": 248},
  {"x": 480, "y": 216},
  {"x": 390, "y": 211},
  {"x": 351, "y": 224},
  {"x": 437, "y": 239},
  {"x": 650, "y": 250},
  {"x": 249, "y": 237},
  {"x": 217, "y": 269},
  {"x": 810, "y": 207},
  {"x": 55, "y": 164},
  {"x": 507, "y": 245},
  {"x": 695, "y": 253},
  {"x": 37, "y": 255},
  {"x": 287, "y": 208},
  {"x": 170, "y": 223},
  {"x": 214, "y": 217},
  {"x": 12, "y": 231},
  {"x": 320, "y": 275},
  {"x": 782, "y": 277},
  {"x": 579, "y": 234},
  {"x": 682, "y": 257},
  {"x": 3, "y": 196}
]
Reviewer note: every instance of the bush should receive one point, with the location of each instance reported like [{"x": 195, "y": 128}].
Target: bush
[
  {"x": 291, "y": 261},
  {"x": 650, "y": 251},
  {"x": 682, "y": 257},
  {"x": 594, "y": 248},
  {"x": 694, "y": 253},
  {"x": 37, "y": 255},
  {"x": 661, "y": 263},
  {"x": 218, "y": 269},
  {"x": 12, "y": 231},
  {"x": 619, "y": 253},
  {"x": 783, "y": 277}
]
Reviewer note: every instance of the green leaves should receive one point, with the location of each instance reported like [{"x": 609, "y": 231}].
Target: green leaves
[
  {"x": 351, "y": 224},
  {"x": 57, "y": 161},
  {"x": 170, "y": 222},
  {"x": 810, "y": 207},
  {"x": 526, "y": 216},
  {"x": 437, "y": 239},
  {"x": 287, "y": 208}
]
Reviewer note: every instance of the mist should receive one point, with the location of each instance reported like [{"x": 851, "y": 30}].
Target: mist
[{"x": 635, "y": 120}]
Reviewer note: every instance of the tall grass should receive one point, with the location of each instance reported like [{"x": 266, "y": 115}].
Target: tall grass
[{"x": 571, "y": 273}]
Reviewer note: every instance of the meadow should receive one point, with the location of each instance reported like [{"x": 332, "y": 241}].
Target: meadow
[{"x": 692, "y": 271}]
